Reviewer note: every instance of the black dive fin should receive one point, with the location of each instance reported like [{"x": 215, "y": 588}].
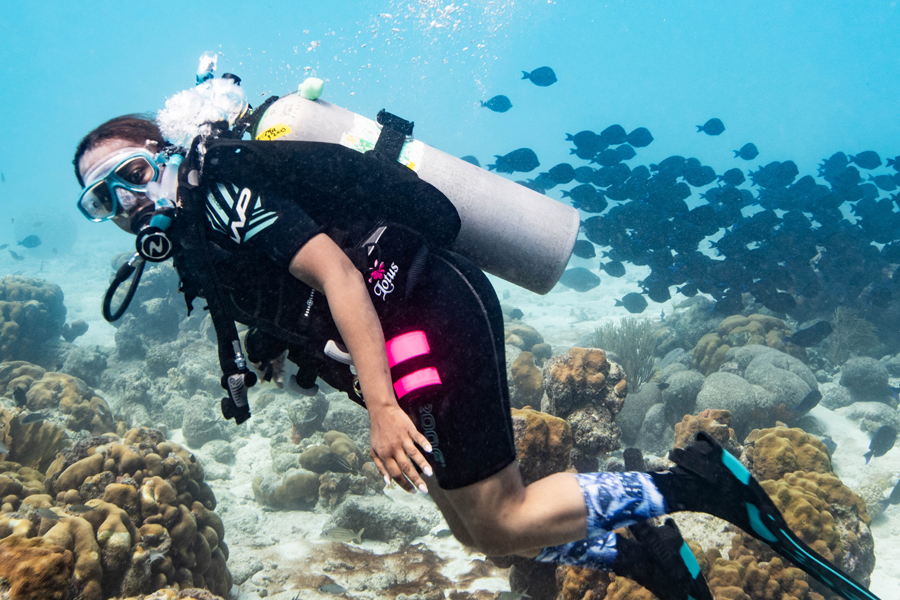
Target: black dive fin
[
  {"x": 672, "y": 555},
  {"x": 740, "y": 500}
]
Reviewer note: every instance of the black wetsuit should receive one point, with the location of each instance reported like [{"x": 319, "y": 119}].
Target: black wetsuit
[{"x": 439, "y": 313}]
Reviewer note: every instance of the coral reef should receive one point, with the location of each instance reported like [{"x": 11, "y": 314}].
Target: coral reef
[
  {"x": 84, "y": 410},
  {"x": 34, "y": 445},
  {"x": 867, "y": 380},
  {"x": 795, "y": 470},
  {"x": 525, "y": 385},
  {"x": 713, "y": 422},
  {"x": 31, "y": 313},
  {"x": 633, "y": 341},
  {"x": 737, "y": 331},
  {"x": 850, "y": 334},
  {"x": 522, "y": 336},
  {"x": 543, "y": 444},
  {"x": 133, "y": 516},
  {"x": 588, "y": 391},
  {"x": 759, "y": 386}
]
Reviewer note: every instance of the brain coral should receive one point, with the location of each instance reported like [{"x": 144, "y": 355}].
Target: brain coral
[
  {"x": 738, "y": 330},
  {"x": 133, "y": 514},
  {"x": 31, "y": 313}
]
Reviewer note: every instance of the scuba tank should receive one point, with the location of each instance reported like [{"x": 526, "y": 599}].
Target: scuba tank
[{"x": 506, "y": 229}]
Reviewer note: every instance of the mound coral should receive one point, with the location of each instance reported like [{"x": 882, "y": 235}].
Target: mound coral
[
  {"x": 713, "y": 422},
  {"x": 587, "y": 390},
  {"x": 34, "y": 445},
  {"x": 45, "y": 389},
  {"x": 543, "y": 443},
  {"x": 525, "y": 386},
  {"x": 31, "y": 313},
  {"x": 737, "y": 331},
  {"x": 133, "y": 516}
]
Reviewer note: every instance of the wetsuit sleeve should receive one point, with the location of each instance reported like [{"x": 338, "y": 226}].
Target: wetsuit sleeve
[{"x": 269, "y": 224}]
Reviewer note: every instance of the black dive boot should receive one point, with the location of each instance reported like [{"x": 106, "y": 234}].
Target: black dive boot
[
  {"x": 708, "y": 479},
  {"x": 661, "y": 561}
]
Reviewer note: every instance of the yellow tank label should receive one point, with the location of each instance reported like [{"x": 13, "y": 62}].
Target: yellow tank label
[{"x": 274, "y": 132}]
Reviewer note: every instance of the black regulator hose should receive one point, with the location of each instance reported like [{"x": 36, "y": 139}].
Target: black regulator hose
[{"x": 135, "y": 263}]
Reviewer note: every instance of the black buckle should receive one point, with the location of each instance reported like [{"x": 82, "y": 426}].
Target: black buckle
[{"x": 394, "y": 131}]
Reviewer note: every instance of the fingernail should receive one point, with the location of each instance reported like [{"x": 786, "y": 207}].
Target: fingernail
[
  {"x": 423, "y": 488},
  {"x": 413, "y": 490},
  {"x": 387, "y": 481},
  {"x": 429, "y": 472},
  {"x": 428, "y": 449}
]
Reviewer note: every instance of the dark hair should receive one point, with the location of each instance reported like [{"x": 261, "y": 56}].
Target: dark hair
[{"x": 135, "y": 128}]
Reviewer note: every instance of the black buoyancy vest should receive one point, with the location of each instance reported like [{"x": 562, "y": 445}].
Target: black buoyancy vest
[{"x": 344, "y": 191}]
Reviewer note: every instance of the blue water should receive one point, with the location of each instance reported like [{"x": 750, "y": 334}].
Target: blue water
[{"x": 801, "y": 80}]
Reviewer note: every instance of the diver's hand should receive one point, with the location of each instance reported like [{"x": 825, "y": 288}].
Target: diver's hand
[{"x": 394, "y": 448}]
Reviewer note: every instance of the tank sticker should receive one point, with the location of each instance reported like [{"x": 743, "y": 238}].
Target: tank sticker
[
  {"x": 364, "y": 133},
  {"x": 274, "y": 132}
]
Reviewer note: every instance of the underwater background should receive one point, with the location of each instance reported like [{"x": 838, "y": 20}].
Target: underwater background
[{"x": 284, "y": 498}]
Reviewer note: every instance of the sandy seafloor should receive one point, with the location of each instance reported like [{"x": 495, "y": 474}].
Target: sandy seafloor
[{"x": 287, "y": 541}]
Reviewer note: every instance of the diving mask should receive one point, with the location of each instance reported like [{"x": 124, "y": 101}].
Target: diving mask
[{"x": 116, "y": 186}]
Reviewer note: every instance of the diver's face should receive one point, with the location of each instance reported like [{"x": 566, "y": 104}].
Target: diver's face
[{"x": 99, "y": 153}]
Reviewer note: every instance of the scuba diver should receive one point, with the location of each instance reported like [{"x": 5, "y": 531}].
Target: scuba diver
[{"x": 341, "y": 259}]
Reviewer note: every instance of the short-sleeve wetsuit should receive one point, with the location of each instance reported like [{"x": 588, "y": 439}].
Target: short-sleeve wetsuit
[{"x": 439, "y": 313}]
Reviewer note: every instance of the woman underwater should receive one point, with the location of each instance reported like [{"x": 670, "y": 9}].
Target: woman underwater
[{"x": 424, "y": 329}]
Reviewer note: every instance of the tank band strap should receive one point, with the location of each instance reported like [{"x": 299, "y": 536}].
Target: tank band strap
[
  {"x": 416, "y": 380},
  {"x": 406, "y": 346},
  {"x": 394, "y": 132}
]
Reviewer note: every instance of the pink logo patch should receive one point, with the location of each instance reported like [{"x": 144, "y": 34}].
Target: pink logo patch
[{"x": 377, "y": 272}]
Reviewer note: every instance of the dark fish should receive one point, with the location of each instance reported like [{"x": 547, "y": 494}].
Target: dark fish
[
  {"x": 867, "y": 160},
  {"x": 19, "y": 396},
  {"x": 499, "y": 104},
  {"x": 882, "y": 441},
  {"x": 634, "y": 303},
  {"x": 32, "y": 418},
  {"x": 625, "y": 152},
  {"x": 640, "y": 137},
  {"x": 712, "y": 127},
  {"x": 830, "y": 444},
  {"x": 587, "y": 198},
  {"x": 579, "y": 279},
  {"x": 332, "y": 588},
  {"x": 584, "y": 174},
  {"x": 4, "y": 246},
  {"x": 885, "y": 182},
  {"x": 780, "y": 302},
  {"x": 607, "y": 158},
  {"x": 584, "y": 139},
  {"x": 32, "y": 241},
  {"x": 543, "y": 76},
  {"x": 522, "y": 160},
  {"x": 614, "y": 135},
  {"x": 471, "y": 160},
  {"x": 613, "y": 268},
  {"x": 689, "y": 289},
  {"x": 894, "y": 162},
  {"x": 809, "y": 402},
  {"x": 80, "y": 508},
  {"x": 812, "y": 335},
  {"x": 748, "y": 152},
  {"x": 16, "y": 256},
  {"x": 443, "y": 534},
  {"x": 634, "y": 459},
  {"x": 662, "y": 386},
  {"x": 584, "y": 249},
  {"x": 46, "y": 513},
  {"x": 699, "y": 176},
  {"x": 894, "y": 498},
  {"x": 562, "y": 173},
  {"x": 733, "y": 177}
]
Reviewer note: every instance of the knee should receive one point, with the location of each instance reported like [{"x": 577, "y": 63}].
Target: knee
[{"x": 494, "y": 538}]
